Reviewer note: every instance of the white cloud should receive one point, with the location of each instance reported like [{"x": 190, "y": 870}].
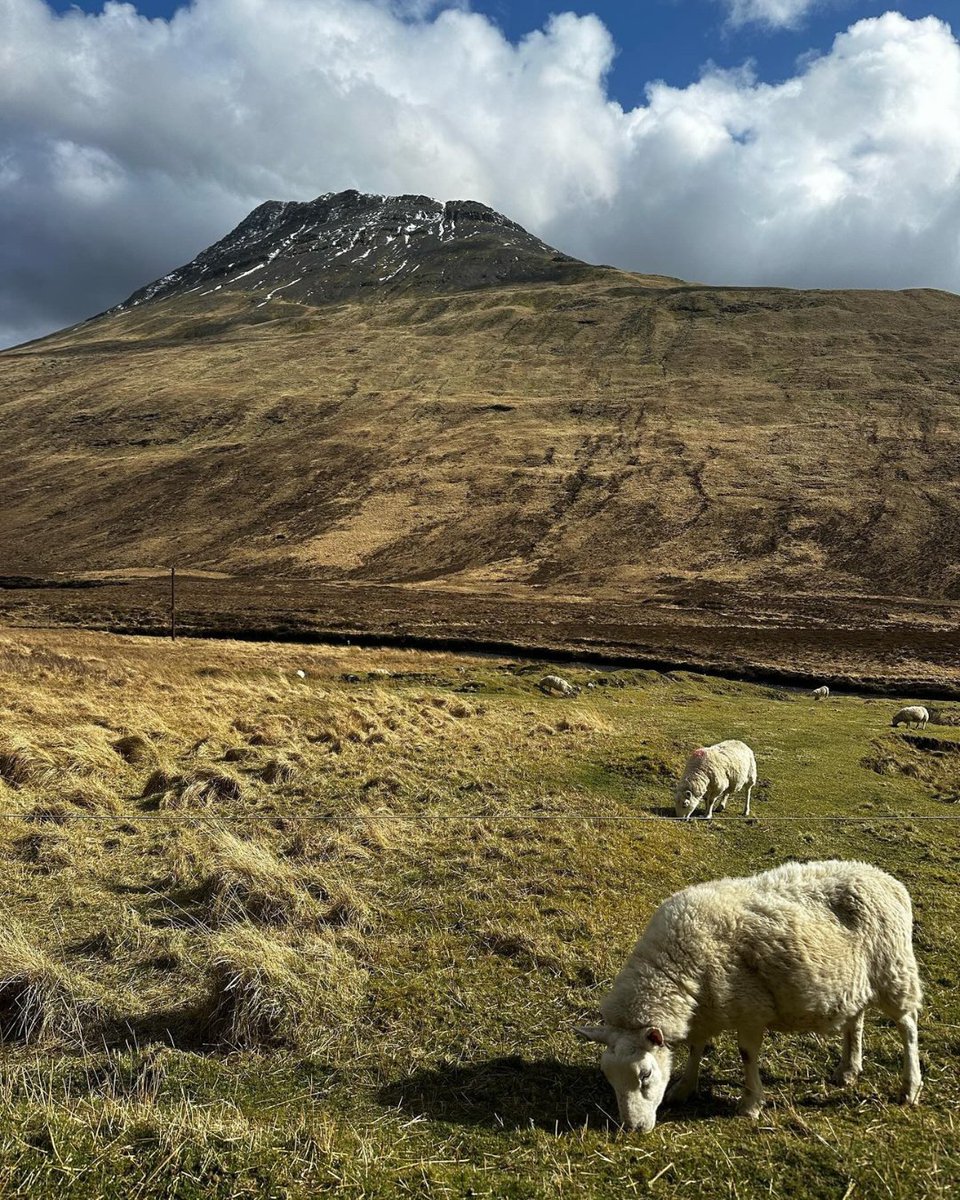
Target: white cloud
[
  {"x": 126, "y": 145},
  {"x": 776, "y": 14}
]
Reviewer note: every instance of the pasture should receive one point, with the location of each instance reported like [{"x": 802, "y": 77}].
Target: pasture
[{"x": 277, "y": 936}]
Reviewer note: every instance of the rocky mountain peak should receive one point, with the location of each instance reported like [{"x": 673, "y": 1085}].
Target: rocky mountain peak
[{"x": 344, "y": 243}]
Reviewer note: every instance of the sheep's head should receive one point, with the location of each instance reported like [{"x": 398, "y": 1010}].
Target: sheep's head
[
  {"x": 685, "y": 802},
  {"x": 636, "y": 1063}
]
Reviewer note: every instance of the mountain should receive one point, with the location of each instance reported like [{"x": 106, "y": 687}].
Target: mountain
[
  {"x": 491, "y": 416},
  {"x": 336, "y": 246}
]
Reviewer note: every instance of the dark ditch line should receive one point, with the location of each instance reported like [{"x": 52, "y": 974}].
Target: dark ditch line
[
  {"x": 933, "y": 745},
  {"x": 28, "y": 583},
  {"x": 585, "y": 657}
]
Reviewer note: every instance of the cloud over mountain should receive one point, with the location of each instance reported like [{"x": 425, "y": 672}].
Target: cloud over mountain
[{"x": 128, "y": 144}]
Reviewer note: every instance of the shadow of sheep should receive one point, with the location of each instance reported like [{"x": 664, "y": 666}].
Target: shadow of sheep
[{"x": 515, "y": 1093}]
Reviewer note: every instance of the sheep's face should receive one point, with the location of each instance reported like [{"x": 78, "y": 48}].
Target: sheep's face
[
  {"x": 637, "y": 1067},
  {"x": 686, "y": 803}
]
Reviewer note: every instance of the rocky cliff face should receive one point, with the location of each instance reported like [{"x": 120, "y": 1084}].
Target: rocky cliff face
[{"x": 346, "y": 244}]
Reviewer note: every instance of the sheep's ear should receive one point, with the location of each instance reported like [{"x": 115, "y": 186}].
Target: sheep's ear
[
  {"x": 655, "y": 1035},
  {"x": 594, "y": 1033}
]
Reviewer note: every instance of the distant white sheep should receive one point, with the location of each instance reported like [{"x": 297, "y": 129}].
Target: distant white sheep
[
  {"x": 820, "y": 693},
  {"x": 712, "y": 775},
  {"x": 913, "y": 714},
  {"x": 556, "y": 685},
  {"x": 804, "y": 948}
]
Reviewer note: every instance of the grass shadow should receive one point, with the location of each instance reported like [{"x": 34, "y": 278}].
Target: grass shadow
[{"x": 180, "y": 1027}]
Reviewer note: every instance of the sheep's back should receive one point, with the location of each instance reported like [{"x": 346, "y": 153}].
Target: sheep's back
[
  {"x": 726, "y": 763},
  {"x": 801, "y": 947},
  {"x": 913, "y": 712}
]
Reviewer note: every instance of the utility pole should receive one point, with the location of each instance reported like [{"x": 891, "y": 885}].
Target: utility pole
[{"x": 173, "y": 603}]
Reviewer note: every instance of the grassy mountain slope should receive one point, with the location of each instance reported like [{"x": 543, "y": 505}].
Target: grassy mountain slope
[{"x": 603, "y": 435}]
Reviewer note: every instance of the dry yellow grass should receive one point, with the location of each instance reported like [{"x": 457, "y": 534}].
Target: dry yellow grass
[{"x": 362, "y": 977}]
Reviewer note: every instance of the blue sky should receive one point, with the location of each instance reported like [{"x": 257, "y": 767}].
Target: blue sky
[
  {"x": 668, "y": 39},
  {"x": 128, "y": 144}
]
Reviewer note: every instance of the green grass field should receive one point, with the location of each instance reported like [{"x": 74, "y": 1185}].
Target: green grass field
[{"x": 283, "y": 937}]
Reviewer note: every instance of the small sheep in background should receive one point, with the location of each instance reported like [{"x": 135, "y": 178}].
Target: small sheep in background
[
  {"x": 556, "y": 685},
  {"x": 914, "y": 714},
  {"x": 820, "y": 693},
  {"x": 712, "y": 775},
  {"x": 804, "y": 948}
]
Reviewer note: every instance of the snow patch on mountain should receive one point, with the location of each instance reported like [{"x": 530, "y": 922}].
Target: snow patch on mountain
[{"x": 344, "y": 244}]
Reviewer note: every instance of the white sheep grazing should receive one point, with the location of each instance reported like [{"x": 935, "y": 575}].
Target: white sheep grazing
[
  {"x": 712, "y": 775},
  {"x": 556, "y": 685},
  {"x": 913, "y": 714},
  {"x": 820, "y": 693},
  {"x": 806, "y": 947}
]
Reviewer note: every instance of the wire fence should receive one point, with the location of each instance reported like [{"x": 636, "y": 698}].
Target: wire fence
[{"x": 477, "y": 818}]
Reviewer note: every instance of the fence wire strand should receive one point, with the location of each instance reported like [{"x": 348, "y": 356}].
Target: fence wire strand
[{"x": 652, "y": 818}]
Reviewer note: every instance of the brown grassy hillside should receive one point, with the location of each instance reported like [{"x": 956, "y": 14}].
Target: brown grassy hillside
[{"x": 605, "y": 436}]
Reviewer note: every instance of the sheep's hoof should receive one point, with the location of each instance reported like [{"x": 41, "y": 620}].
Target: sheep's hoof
[
  {"x": 911, "y": 1096},
  {"x": 845, "y": 1076},
  {"x": 750, "y": 1107}
]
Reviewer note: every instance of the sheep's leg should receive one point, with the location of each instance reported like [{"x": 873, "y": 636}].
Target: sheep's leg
[
  {"x": 852, "y": 1063},
  {"x": 912, "y": 1079},
  {"x": 688, "y": 1082},
  {"x": 713, "y": 803},
  {"x": 746, "y": 805},
  {"x": 751, "y": 1102}
]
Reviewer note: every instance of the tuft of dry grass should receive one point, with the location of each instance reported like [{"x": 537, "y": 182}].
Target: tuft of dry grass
[
  {"x": 272, "y": 729},
  {"x": 265, "y": 993},
  {"x": 277, "y": 771},
  {"x": 162, "y": 780},
  {"x": 203, "y": 787},
  {"x": 246, "y": 881},
  {"x": 136, "y": 750},
  {"x": 91, "y": 796},
  {"x": 22, "y": 764},
  {"x": 525, "y": 950},
  {"x": 38, "y": 996}
]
